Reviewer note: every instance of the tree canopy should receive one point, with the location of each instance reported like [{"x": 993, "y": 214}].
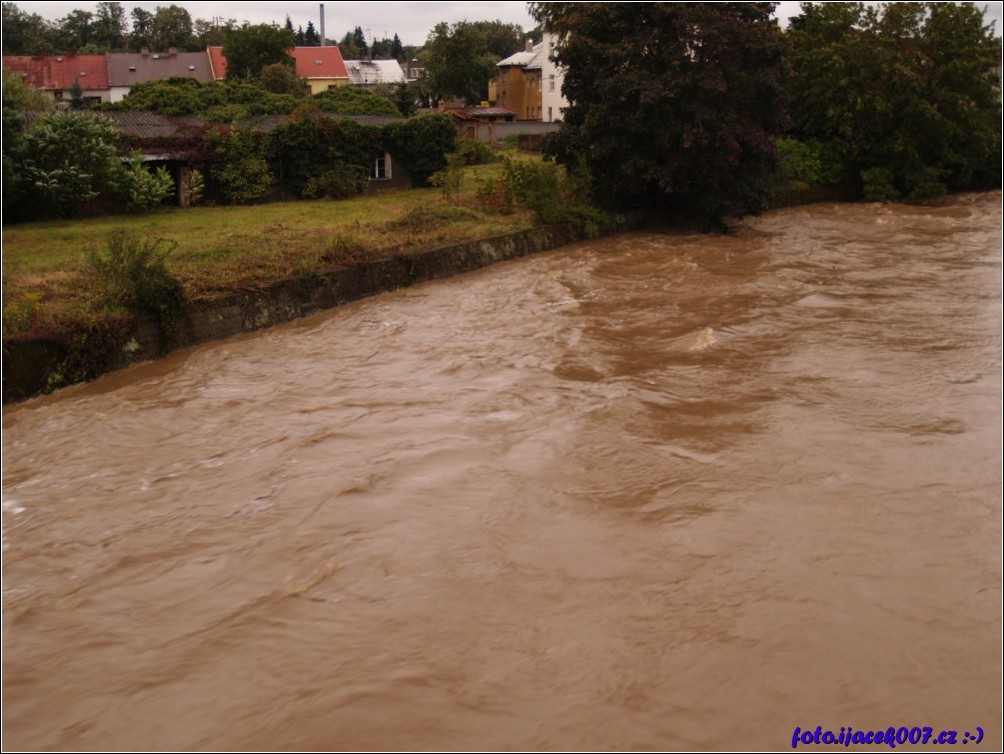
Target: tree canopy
[
  {"x": 252, "y": 47},
  {"x": 673, "y": 105},
  {"x": 460, "y": 59},
  {"x": 900, "y": 99}
]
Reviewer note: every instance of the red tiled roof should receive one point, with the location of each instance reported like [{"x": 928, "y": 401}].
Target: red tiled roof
[
  {"x": 311, "y": 62},
  {"x": 217, "y": 62},
  {"x": 319, "y": 63},
  {"x": 58, "y": 72}
]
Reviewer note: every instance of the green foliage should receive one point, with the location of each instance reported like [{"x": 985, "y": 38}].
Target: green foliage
[
  {"x": 450, "y": 178},
  {"x": 252, "y": 47},
  {"x": 240, "y": 173},
  {"x": 349, "y": 100},
  {"x": 554, "y": 195},
  {"x": 348, "y": 248},
  {"x": 142, "y": 189},
  {"x": 66, "y": 160},
  {"x": 18, "y": 100},
  {"x": 133, "y": 275},
  {"x": 808, "y": 162},
  {"x": 280, "y": 78},
  {"x": 460, "y": 59},
  {"x": 216, "y": 101},
  {"x": 674, "y": 105},
  {"x": 421, "y": 144},
  {"x": 474, "y": 152},
  {"x": 21, "y": 313},
  {"x": 338, "y": 182},
  {"x": 315, "y": 155},
  {"x": 406, "y": 98},
  {"x": 194, "y": 186},
  {"x": 878, "y": 185},
  {"x": 903, "y": 96},
  {"x": 424, "y": 216}
]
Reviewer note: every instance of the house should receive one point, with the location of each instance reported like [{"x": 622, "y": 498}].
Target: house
[
  {"x": 126, "y": 69},
  {"x": 529, "y": 82},
  {"x": 322, "y": 67},
  {"x": 413, "y": 70},
  {"x": 54, "y": 75},
  {"x": 367, "y": 73},
  {"x": 517, "y": 83},
  {"x": 552, "y": 76}
]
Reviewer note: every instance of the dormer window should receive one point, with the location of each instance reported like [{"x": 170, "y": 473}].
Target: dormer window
[
  {"x": 83, "y": 73},
  {"x": 132, "y": 68},
  {"x": 191, "y": 67},
  {"x": 318, "y": 62}
]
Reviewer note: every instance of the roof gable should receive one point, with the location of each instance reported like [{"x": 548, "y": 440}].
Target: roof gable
[
  {"x": 128, "y": 68},
  {"x": 319, "y": 62},
  {"x": 362, "y": 72},
  {"x": 59, "y": 72}
]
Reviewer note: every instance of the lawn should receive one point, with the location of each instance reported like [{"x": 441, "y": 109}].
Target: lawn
[{"x": 215, "y": 250}]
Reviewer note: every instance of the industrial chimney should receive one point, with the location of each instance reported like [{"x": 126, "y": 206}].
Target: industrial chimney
[{"x": 323, "y": 40}]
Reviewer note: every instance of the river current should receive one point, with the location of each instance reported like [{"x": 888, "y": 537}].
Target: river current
[{"x": 652, "y": 491}]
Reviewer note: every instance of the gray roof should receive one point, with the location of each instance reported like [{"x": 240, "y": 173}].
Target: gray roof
[
  {"x": 363, "y": 72},
  {"x": 144, "y": 125},
  {"x": 128, "y": 68},
  {"x": 526, "y": 59}
]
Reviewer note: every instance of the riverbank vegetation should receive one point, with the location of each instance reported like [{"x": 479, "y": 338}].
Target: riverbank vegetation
[
  {"x": 709, "y": 109},
  {"x": 52, "y": 287},
  {"x": 688, "y": 110}
]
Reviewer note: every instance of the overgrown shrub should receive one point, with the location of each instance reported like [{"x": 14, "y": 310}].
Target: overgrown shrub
[
  {"x": 552, "y": 194},
  {"x": 315, "y": 155},
  {"x": 133, "y": 275},
  {"x": 421, "y": 144},
  {"x": 339, "y": 182},
  {"x": 806, "y": 161},
  {"x": 240, "y": 173},
  {"x": 877, "y": 185},
  {"x": 143, "y": 189},
  {"x": 350, "y": 100},
  {"x": 474, "y": 152}
]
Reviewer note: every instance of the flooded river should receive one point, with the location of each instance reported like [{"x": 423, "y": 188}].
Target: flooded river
[{"x": 654, "y": 491}]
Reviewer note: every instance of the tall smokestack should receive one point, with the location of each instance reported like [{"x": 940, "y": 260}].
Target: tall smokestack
[{"x": 323, "y": 40}]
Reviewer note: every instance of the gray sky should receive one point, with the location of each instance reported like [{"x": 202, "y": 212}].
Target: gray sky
[{"x": 411, "y": 21}]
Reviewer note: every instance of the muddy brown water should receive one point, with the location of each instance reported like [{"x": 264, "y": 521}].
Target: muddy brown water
[{"x": 654, "y": 491}]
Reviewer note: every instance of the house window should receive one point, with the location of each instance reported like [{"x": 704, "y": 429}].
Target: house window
[
  {"x": 550, "y": 115},
  {"x": 550, "y": 83},
  {"x": 381, "y": 168}
]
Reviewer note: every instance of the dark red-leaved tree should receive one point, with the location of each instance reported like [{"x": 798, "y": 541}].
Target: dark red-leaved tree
[{"x": 672, "y": 105}]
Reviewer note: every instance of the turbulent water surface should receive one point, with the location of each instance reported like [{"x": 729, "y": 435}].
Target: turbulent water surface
[{"x": 655, "y": 491}]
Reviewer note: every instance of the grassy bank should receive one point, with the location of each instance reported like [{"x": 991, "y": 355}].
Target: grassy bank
[{"x": 48, "y": 288}]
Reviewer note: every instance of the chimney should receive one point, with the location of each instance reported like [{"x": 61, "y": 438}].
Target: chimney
[
  {"x": 529, "y": 45},
  {"x": 323, "y": 40}
]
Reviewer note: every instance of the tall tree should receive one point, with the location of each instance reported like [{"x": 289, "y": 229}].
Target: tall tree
[
  {"x": 110, "y": 26},
  {"x": 142, "y": 28},
  {"x": 397, "y": 49},
  {"x": 76, "y": 30},
  {"x": 253, "y": 46},
  {"x": 359, "y": 39},
  {"x": 460, "y": 59},
  {"x": 212, "y": 32},
  {"x": 172, "y": 27},
  {"x": 310, "y": 36},
  {"x": 900, "y": 97},
  {"x": 672, "y": 105},
  {"x": 25, "y": 33}
]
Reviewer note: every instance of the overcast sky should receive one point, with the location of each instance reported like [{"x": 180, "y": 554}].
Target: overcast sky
[{"x": 411, "y": 21}]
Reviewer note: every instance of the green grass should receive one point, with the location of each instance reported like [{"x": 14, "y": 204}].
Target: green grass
[{"x": 222, "y": 249}]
